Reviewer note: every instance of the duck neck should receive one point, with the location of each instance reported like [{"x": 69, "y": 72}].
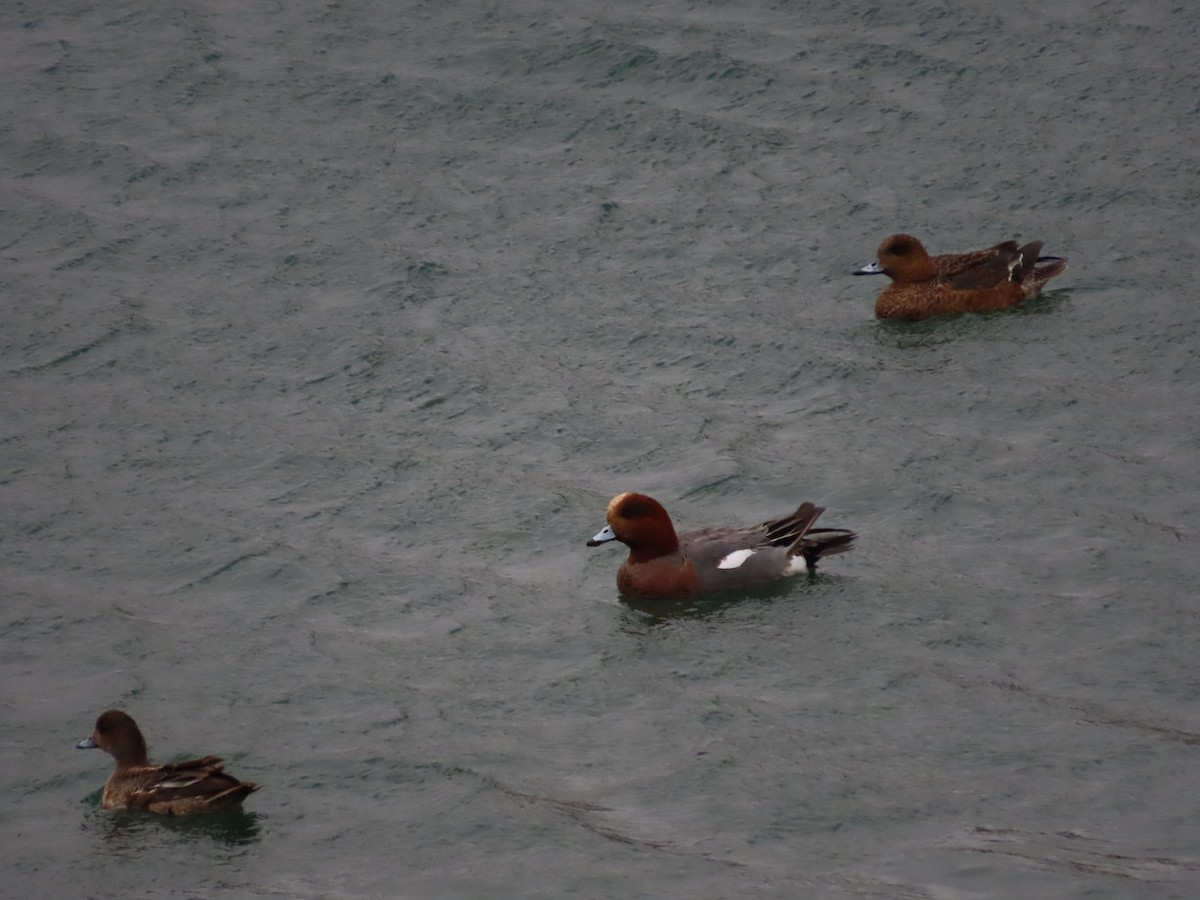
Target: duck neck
[
  {"x": 133, "y": 754},
  {"x": 662, "y": 542}
]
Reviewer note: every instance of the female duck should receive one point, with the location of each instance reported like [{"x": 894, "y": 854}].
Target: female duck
[
  {"x": 197, "y": 785},
  {"x": 924, "y": 285}
]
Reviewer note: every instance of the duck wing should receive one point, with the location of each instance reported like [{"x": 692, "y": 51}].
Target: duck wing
[{"x": 188, "y": 786}]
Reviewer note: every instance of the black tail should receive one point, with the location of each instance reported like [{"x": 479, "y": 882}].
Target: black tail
[
  {"x": 796, "y": 533},
  {"x": 822, "y": 542},
  {"x": 1042, "y": 274}
]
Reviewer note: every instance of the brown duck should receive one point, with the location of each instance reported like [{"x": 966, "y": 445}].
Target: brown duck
[
  {"x": 924, "y": 285},
  {"x": 197, "y": 785}
]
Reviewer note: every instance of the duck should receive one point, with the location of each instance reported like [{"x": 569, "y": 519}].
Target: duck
[
  {"x": 197, "y": 785},
  {"x": 664, "y": 564},
  {"x": 923, "y": 285}
]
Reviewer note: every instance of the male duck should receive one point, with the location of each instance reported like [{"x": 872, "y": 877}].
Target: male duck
[{"x": 663, "y": 564}]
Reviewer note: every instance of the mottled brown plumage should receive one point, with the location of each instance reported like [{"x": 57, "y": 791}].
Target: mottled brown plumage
[
  {"x": 924, "y": 285},
  {"x": 197, "y": 785}
]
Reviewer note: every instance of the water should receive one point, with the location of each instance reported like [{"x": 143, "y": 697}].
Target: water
[{"x": 330, "y": 330}]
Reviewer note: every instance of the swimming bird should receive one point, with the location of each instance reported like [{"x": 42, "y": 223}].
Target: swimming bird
[
  {"x": 924, "y": 285},
  {"x": 664, "y": 564},
  {"x": 197, "y": 785}
]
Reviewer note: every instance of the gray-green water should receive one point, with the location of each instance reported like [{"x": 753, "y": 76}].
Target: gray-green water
[{"x": 329, "y": 330}]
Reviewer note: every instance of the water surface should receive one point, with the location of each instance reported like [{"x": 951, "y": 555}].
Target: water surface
[{"x": 329, "y": 331}]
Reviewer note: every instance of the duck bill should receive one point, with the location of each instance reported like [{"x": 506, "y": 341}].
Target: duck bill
[
  {"x": 602, "y": 537},
  {"x": 87, "y": 744},
  {"x": 872, "y": 269}
]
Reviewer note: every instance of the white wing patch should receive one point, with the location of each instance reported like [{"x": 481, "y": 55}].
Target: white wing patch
[
  {"x": 735, "y": 559},
  {"x": 796, "y": 565}
]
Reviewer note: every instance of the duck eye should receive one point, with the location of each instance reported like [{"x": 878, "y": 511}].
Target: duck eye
[{"x": 633, "y": 509}]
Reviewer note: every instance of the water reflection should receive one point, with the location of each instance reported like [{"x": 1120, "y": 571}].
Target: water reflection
[
  {"x": 129, "y": 829},
  {"x": 656, "y": 612}
]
